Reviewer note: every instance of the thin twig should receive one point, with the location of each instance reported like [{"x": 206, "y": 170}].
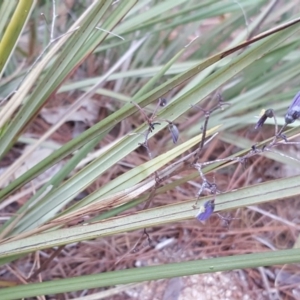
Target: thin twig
[
  {"x": 208, "y": 113},
  {"x": 151, "y": 124},
  {"x": 53, "y": 21},
  {"x": 266, "y": 149}
]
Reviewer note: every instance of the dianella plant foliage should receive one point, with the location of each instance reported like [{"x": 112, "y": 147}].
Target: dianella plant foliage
[{"x": 168, "y": 80}]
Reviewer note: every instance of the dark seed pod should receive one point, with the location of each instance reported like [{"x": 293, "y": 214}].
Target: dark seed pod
[
  {"x": 293, "y": 112},
  {"x": 174, "y": 132},
  {"x": 206, "y": 210}
]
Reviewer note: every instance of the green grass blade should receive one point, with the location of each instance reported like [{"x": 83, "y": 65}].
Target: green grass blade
[
  {"x": 13, "y": 31},
  {"x": 153, "y": 273},
  {"x": 256, "y": 194}
]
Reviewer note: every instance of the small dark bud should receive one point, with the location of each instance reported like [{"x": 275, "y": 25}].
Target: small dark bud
[
  {"x": 293, "y": 112},
  {"x": 269, "y": 113},
  {"x": 206, "y": 210},
  {"x": 162, "y": 102},
  {"x": 174, "y": 132}
]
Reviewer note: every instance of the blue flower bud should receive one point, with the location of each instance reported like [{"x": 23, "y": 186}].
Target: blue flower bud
[
  {"x": 206, "y": 210},
  {"x": 293, "y": 112},
  {"x": 174, "y": 132}
]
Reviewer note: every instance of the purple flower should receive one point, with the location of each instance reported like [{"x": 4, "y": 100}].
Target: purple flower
[
  {"x": 293, "y": 112},
  {"x": 206, "y": 210}
]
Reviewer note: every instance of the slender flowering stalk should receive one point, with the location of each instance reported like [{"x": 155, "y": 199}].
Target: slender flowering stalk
[{"x": 292, "y": 114}]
